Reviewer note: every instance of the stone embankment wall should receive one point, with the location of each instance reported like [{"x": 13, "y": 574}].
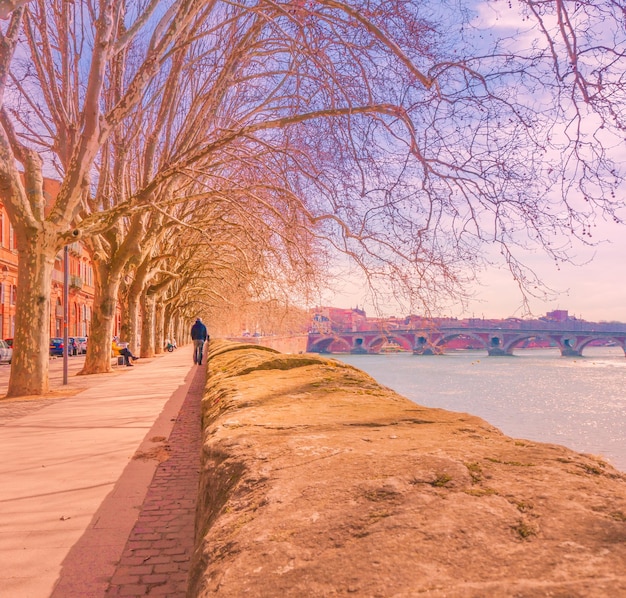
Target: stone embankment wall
[
  {"x": 317, "y": 481},
  {"x": 295, "y": 343}
]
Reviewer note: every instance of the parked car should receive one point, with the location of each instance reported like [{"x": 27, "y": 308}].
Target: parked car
[
  {"x": 56, "y": 346},
  {"x": 81, "y": 342},
  {"x": 6, "y": 352},
  {"x": 9, "y": 341}
]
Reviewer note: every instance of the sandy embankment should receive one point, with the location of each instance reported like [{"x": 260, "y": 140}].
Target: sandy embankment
[{"x": 317, "y": 481}]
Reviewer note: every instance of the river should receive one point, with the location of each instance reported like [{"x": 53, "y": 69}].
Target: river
[{"x": 535, "y": 394}]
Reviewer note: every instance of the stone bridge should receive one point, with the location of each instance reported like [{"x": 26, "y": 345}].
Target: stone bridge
[{"x": 496, "y": 341}]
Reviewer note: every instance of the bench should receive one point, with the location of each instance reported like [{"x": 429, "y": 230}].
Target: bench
[{"x": 116, "y": 358}]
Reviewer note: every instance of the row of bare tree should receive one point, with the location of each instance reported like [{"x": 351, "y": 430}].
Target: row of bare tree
[{"x": 210, "y": 150}]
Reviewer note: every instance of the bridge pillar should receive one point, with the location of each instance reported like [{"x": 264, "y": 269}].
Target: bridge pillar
[
  {"x": 427, "y": 351},
  {"x": 424, "y": 347},
  {"x": 569, "y": 352},
  {"x": 496, "y": 347},
  {"x": 568, "y": 347},
  {"x": 498, "y": 352},
  {"x": 358, "y": 348}
]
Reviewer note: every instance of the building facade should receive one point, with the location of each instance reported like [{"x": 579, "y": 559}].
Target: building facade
[
  {"x": 81, "y": 292},
  {"x": 8, "y": 276},
  {"x": 81, "y": 289}
]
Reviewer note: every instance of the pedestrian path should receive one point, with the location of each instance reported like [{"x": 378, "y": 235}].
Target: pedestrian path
[
  {"x": 75, "y": 471},
  {"x": 158, "y": 553}
]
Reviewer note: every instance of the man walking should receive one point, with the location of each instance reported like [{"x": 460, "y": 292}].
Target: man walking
[{"x": 198, "y": 336}]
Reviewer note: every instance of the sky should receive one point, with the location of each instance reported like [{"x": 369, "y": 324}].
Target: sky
[
  {"x": 594, "y": 291},
  {"x": 593, "y": 288}
]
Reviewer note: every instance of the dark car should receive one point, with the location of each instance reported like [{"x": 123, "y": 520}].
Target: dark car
[
  {"x": 56, "y": 346},
  {"x": 9, "y": 341}
]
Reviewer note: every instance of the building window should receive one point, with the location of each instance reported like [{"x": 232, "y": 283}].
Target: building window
[{"x": 13, "y": 294}]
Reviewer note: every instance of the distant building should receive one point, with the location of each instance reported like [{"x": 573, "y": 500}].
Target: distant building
[
  {"x": 81, "y": 292},
  {"x": 558, "y": 315},
  {"x": 334, "y": 319}
]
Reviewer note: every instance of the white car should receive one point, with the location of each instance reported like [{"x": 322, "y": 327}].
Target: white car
[
  {"x": 6, "y": 352},
  {"x": 81, "y": 344}
]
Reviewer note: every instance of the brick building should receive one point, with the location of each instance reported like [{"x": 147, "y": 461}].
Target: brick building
[{"x": 81, "y": 289}]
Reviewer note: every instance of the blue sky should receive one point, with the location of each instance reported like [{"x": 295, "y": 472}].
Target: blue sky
[
  {"x": 592, "y": 288},
  {"x": 595, "y": 288}
]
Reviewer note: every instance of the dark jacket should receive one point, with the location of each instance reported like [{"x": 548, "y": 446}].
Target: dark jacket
[{"x": 198, "y": 331}]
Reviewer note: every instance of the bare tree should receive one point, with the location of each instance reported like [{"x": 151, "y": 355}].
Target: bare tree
[
  {"x": 56, "y": 81},
  {"x": 383, "y": 129}
]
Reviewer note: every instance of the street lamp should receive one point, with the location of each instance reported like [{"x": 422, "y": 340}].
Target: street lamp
[{"x": 66, "y": 310}]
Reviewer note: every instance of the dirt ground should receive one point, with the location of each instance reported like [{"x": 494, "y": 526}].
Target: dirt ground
[{"x": 317, "y": 481}]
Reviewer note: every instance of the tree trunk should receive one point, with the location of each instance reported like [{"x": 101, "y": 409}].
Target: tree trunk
[
  {"x": 159, "y": 336},
  {"x": 98, "y": 359},
  {"x": 147, "y": 328},
  {"x": 181, "y": 338},
  {"x": 132, "y": 311},
  {"x": 168, "y": 328},
  {"x": 30, "y": 362},
  {"x": 125, "y": 324}
]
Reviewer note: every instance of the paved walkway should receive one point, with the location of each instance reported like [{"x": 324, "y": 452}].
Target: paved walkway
[{"x": 93, "y": 483}]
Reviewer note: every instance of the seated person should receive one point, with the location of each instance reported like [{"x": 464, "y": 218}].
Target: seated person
[{"x": 123, "y": 350}]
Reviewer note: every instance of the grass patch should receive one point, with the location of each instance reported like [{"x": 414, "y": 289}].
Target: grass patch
[
  {"x": 416, "y": 421},
  {"x": 377, "y": 515},
  {"x": 618, "y": 516},
  {"x": 521, "y": 505},
  {"x": 481, "y": 492},
  {"x": 513, "y": 463},
  {"x": 281, "y": 363},
  {"x": 380, "y": 495},
  {"x": 591, "y": 469},
  {"x": 523, "y": 530},
  {"x": 441, "y": 480},
  {"x": 475, "y": 471}
]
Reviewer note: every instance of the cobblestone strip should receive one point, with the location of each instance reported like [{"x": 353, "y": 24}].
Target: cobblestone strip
[{"x": 156, "y": 559}]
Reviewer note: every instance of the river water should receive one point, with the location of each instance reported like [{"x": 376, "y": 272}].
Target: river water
[{"x": 535, "y": 394}]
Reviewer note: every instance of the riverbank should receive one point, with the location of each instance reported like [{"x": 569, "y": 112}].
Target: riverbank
[
  {"x": 317, "y": 481},
  {"x": 536, "y": 394}
]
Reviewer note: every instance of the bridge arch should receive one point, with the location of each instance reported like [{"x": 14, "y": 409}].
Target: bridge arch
[
  {"x": 441, "y": 343},
  {"x": 376, "y": 343},
  {"x": 330, "y": 344},
  {"x": 620, "y": 342},
  {"x": 518, "y": 340}
]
